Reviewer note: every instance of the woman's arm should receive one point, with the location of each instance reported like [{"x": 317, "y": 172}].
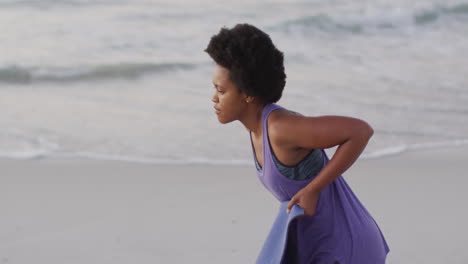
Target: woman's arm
[{"x": 351, "y": 134}]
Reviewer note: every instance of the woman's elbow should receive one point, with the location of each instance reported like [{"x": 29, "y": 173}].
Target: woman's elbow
[
  {"x": 368, "y": 130},
  {"x": 365, "y": 130}
]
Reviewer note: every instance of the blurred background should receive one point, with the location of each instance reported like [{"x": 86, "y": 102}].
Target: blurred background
[{"x": 128, "y": 80}]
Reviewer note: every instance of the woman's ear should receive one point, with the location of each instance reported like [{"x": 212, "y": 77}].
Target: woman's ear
[{"x": 249, "y": 99}]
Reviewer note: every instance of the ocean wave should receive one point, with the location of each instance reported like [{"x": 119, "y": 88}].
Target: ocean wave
[
  {"x": 20, "y": 145},
  {"x": 27, "y": 75},
  {"x": 46, "y": 4},
  {"x": 378, "y": 20},
  {"x": 396, "y": 150}
]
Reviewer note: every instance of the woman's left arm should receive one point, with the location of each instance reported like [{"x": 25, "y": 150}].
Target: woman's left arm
[
  {"x": 350, "y": 134},
  {"x": 345, "y": 155}
]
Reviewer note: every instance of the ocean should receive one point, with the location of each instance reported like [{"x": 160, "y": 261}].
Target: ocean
[{"x": 128, "y": 80}]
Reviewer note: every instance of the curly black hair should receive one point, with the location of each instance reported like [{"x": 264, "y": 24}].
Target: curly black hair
[{"x": 255, "y": 65}]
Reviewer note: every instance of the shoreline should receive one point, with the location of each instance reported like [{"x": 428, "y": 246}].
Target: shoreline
[{"x": 397, "y": 151}]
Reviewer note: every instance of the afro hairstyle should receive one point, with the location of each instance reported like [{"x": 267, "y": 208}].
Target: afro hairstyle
[{"x": 255, "y": 65}]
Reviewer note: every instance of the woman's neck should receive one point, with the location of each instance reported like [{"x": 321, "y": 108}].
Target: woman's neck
[{"x": 252, "y": 119}]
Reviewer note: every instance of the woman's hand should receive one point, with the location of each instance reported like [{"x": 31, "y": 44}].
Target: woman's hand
[{"x": 306, "y": 199}]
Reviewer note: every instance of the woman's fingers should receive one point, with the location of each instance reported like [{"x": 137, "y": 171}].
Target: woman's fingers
[{"x": 290, "y": 204}]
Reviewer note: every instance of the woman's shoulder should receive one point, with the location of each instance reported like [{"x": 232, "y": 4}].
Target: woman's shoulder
[
  {"x": 279, "y": 125},
  {"x": 281, "y": 117}
]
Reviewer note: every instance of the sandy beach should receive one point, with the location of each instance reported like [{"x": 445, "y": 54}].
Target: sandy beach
[{"x": 88, "y": 211}]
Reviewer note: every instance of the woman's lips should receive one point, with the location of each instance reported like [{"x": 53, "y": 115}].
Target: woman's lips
[{"x": 217, "y": 111}]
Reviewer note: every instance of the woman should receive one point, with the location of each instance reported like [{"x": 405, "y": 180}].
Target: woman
[{"x": 320, "y": 219}]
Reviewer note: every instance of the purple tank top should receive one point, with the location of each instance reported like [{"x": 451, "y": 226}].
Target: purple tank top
[{"x": 341, "y": 230}]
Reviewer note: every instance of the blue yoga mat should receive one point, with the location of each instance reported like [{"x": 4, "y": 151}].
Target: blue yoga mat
[{"x": 275, "y": 243}]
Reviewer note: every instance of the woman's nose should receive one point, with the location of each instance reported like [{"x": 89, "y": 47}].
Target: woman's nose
[{"x": 214, "y": 99}]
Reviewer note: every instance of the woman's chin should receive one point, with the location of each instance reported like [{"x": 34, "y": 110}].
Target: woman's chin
[{"x": 223, "y": 121}]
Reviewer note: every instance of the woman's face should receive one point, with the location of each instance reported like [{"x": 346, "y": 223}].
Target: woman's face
[{"x": 229, "y": 102}]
